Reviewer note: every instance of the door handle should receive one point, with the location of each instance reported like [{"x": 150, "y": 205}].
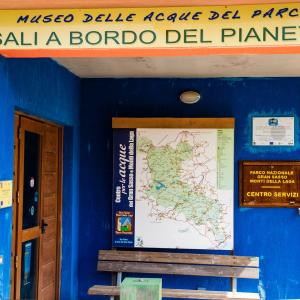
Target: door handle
[{"x": 44, "y": 226}]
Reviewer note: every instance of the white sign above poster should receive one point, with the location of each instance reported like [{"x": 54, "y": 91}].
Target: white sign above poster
[{"x": 273, "y": 131}]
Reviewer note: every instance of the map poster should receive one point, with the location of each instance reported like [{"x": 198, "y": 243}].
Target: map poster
[{"x": 173, "y": 188}]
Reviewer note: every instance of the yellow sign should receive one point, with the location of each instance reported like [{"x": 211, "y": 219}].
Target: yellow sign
[
  {"x": 6, "y": 193},
  {"x": 269, "y": 25}
]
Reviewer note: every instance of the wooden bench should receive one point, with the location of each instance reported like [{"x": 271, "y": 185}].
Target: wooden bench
[{"x": 178, "y": 264}]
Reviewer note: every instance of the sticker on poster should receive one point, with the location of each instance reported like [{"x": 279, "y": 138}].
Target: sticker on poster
[{"x": 124, "y": 222}]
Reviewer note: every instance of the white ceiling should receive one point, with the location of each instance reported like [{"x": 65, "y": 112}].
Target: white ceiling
[{"x": 186, "y": 67}]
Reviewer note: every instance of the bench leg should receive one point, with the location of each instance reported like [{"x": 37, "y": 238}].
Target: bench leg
[
  {"x": 118, "y": 282},
  {"x": 234, "y": 285},
  {"x": 119, "y": 278}
]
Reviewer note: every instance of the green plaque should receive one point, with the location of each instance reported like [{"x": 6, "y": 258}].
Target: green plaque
[{"x": 141, "y": 288}]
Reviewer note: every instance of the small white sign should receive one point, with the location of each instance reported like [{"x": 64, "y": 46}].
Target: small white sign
[
  {"x": 6, "y": 192},
  {"x": 273, "y": 131}
]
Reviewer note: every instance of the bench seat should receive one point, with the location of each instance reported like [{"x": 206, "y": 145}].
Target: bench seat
[
  {"x": 105, "y": 290},
  {"x": 144, "y": 262}
]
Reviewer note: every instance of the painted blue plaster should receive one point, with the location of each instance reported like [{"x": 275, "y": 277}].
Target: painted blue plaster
[
  {"x": 271, "y": 234},
  {"x": 43, "y": 89}
]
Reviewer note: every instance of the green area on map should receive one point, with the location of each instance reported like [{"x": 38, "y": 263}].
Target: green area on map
[{"x": 225, "y": 158}]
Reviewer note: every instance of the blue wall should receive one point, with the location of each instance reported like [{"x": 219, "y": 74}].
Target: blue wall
[
  {"x": 43, "y": 89},
  {"x": 271, "y": 234}
]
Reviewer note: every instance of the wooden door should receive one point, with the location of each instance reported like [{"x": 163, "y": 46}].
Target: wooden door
[{"x": 37, "y": 210}]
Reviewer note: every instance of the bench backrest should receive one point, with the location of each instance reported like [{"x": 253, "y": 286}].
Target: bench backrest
[{"x": 179, "y": 264}]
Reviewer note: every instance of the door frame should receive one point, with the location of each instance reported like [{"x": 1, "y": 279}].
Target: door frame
[{"x": 15, "y": 261}]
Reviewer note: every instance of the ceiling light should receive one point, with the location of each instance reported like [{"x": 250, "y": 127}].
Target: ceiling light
[{"x": 190, "y": 97}]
